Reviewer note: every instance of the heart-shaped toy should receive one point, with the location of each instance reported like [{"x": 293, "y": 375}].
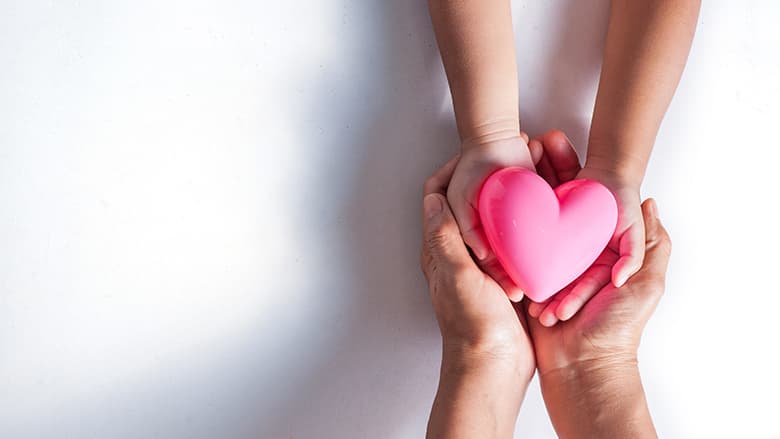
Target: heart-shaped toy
[{"x": 545, "y": 238}]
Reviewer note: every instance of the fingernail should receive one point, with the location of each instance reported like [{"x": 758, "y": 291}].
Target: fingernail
[
  {"x": 431, "y": 206},
  {"x": 654, "y": 209}
]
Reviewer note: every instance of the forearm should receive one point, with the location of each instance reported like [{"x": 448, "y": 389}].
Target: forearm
[
  {"x": 477, "y": 399},
  {"x": 647, "y": 46},
  {"x": 476, "y": 42},
  {"x": 597, "y": 400}
]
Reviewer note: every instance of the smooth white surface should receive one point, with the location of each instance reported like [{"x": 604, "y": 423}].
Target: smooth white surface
[{"x": 209, "y": 216}]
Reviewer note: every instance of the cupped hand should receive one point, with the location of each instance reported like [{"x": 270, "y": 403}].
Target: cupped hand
[
  {"x": 628, "y": 239},
  {"x": 608, "y": 328},
  {"x": 625, "y": 251},
  {"x": 479, "y": 159},
  {"x": 476, "y": 318}
]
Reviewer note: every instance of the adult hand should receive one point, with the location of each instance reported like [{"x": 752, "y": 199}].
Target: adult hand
[
  {"x": 487, "y": 357},
  {"x": 609, "y": 326},
  {"x": 624, "y": 253},
  {"x": 588, "y": 364}
]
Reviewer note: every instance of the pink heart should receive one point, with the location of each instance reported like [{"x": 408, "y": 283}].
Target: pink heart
[{"x": 545, "y": 238}]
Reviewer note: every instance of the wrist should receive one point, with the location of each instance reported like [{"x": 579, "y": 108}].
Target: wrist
[
  {"x": 590, "y": 373},
  {"x": 503, "y": 362},
  {"x": 485, "y": 133},
  {"x": 477, "y": 396},
  {"x": 614, "y": 175},
  {"x": 600, "y": 397},
  {"x": 623, "y": 155}
]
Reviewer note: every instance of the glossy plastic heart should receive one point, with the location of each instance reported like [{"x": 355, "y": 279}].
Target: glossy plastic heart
[{"x": 545, "y": 238}]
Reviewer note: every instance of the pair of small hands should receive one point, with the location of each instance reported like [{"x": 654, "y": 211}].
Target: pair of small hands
[
  {"x": 476, "y": 317},
  {"x": 553, "y": 157}
]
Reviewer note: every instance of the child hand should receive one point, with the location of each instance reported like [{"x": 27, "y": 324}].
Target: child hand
[
  {"x": 625, "y": 251},
  {"x": 477, "y": 161}
]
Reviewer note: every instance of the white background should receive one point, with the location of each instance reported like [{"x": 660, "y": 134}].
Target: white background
[{"x": 209, "y": 215}]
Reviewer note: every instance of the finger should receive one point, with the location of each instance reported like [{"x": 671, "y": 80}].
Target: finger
[
  {"x": 548, "y": 317},
  {"x": 493, "y": 268},
  {"x": 536, "y": 149},
  {"x": 590, "y": 283},
  {"x": 438, "y": 182},
  {"x": 658, "y": 244},
  {"x": 561, "y": 154},
  {"x": 536, "y": 308},
  {"x": 524, "y": 136},
  {"x": 632, "y": 253},
  {"x": 441, "y": 238},
  {"x": 547, "y": 172},
  {"x": 474, "y": 236}
]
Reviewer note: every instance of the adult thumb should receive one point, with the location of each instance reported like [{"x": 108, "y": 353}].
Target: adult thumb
[{"x": 441, "y": 237}]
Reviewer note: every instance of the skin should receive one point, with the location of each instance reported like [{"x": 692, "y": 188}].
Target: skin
[
  {"x": 476, "y": 42},
  {"x": 587, "y": 366},
  {"x": 487, "y": 356},
  {"x": 646, "y": 50}
]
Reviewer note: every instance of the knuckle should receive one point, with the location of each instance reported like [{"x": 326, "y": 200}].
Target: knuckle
[
  {"x": 442, "y": 236},
  {"x": 664, "y": 244},
  {"x": 436, "y": 239},
  {"x": 653, "y": 283},
  {"x": 657, "y": 287}
]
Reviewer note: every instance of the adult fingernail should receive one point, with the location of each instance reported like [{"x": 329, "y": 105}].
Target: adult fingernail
[
  {"x": 432, "y": 205},
  {"x": 654, "y": 209}
]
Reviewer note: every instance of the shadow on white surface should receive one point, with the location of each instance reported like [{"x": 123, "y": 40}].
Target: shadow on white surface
[
  {"x": 376, "y": 375},
  {"x": 234, "y": 304}
]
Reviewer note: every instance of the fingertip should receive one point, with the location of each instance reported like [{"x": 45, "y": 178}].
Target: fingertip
[
  {"x": 654, "y": 208},
  {"x": 650, "y": 209},
  {"x": 480, "y": 251},
  {"x": 476, "y": 240},
  {"x": 536, "y": 149},
  {"x": 624, "y": 268},
  {"x": 535, "y": 308},
  {"x": 515, "y": 294},
  {"x": 433, "y": 205},
  {"x": 524, "y": 136},
  {"x": 619, "y": 274},
  {"x": 653, "y": 225},
  {"x": 556, "y": 137},
  {"x": 566, "y": 310},
  {"x": 548, "y": 318}
]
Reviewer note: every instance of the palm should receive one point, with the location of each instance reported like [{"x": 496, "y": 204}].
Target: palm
[
  {"x": 628, "y": 204},
  {"x": 489, "y": 312},
  {"x": 473, "y": 309},
  {"x": 557, "y": 163},
  {"x": 606, "y": 324}
]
